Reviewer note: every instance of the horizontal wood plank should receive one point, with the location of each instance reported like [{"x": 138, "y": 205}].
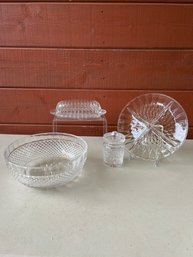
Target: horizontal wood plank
[
  {"x": 80, "y": 130},
  {"x": 106, "y": 1},
  {"x": 32, "y": 106},
  {"x": 96, "y": 25},
  {"x": 96, "y": 69}
]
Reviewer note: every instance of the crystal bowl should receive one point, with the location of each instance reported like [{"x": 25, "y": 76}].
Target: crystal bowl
[{"x": 47, "y": 159}]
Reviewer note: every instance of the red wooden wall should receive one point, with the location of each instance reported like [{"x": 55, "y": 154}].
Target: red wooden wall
[{"x": 109, "y": 51}]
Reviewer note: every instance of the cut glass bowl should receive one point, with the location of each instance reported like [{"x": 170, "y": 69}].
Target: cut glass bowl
[
  {"x": 155, "y": 126},
  {"x": 47, "y": 159}
]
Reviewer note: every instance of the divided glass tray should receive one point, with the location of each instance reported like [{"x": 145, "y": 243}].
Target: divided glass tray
[{"x": 155, "y": 126}]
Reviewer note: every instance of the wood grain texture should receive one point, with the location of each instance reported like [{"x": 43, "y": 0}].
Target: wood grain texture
[
  {"x": 96, "y": 69},
  {"x": 96, "y": 25},
  {"x": 32, "y": 106},
  {"x": 76, "y": 130},
  {"x": 81, "y": 130},
  {"x": 106, "y": 1}
]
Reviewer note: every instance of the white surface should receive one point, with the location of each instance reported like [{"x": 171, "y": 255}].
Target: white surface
[{"x": 134, "y": 211}]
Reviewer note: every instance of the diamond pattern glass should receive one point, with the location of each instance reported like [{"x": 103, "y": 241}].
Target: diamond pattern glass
[{"x": 46, "y": 160}]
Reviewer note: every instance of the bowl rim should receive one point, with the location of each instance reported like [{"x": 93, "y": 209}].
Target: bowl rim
[{"x": 8, "y": 150}]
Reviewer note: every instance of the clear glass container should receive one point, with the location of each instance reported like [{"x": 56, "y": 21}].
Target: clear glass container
[
  {"x": 46, "y": 159},
  {"x": 80, "y": 112},
  {"x": 155, "y": 126},
  {"x": 113, "y": 149}
]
